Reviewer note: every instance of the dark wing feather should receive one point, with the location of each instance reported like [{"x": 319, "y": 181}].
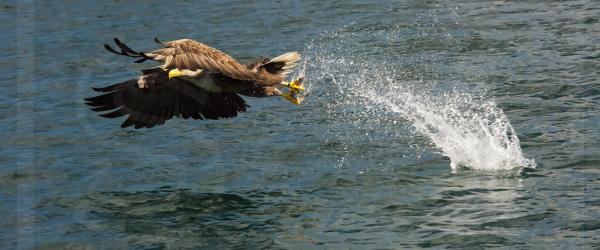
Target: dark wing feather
[
  {"x": 169, "y": 97},
  {"x": 126, "y": 51}
]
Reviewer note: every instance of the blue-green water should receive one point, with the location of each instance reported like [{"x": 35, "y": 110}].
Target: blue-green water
[{"x": 429, "y": 124}]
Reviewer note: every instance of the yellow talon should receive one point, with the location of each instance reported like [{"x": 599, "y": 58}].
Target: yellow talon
[
  {"x": 175, "y": 73},
  {"x": 298, "y": 100},
  {"x": 292, "y": 98},
  {"x": 296, "y": 85}
]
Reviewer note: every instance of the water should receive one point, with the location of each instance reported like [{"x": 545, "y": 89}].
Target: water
[{"x": 428, "y": 124}]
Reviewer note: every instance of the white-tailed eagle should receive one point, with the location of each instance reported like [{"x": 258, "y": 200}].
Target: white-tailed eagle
[{"x": 195, "y": 81}]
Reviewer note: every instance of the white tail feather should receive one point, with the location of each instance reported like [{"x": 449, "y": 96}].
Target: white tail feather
[{"x": 290, "y": 59}]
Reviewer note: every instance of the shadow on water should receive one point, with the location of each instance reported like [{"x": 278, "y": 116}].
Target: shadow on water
[{"x": 177, "y": 219}]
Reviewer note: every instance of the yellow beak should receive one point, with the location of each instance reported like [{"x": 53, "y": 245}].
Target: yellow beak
[{"x": 175, "y": 73}]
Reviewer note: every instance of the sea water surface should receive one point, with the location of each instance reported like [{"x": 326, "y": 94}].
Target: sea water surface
[{"x": 448, "y": 124}]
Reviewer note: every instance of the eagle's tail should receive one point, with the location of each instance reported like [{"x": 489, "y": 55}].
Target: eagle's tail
[{"x": 283, "y": 64}]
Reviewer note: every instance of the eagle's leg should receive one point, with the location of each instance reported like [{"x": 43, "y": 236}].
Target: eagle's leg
[{"x": 296, "y": 87}]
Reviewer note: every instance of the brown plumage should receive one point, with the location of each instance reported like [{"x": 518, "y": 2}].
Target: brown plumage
[
  {"x": 192, "y": 55},
  {"x": 154, "y": 98}
]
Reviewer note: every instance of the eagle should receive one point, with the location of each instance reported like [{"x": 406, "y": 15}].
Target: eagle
[{"x": 194, "y": 81}]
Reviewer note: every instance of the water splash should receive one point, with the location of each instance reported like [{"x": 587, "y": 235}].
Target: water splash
[
  {"x": 474, "y": 134},
  {"x": 371, "y": 89}
]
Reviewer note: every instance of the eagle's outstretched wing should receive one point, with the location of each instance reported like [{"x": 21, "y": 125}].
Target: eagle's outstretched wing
[
  {"x": 192, "y": 55},
  {"x": 147, "y": 107}
]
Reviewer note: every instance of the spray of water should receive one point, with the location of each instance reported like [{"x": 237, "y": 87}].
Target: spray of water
[
  {"x": 460, "y": 121},
  {"x": 474, "y": 134}
]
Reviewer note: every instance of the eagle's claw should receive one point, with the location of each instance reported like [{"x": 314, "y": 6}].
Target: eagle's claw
[
  {"x": 296, "y": 87},
  {"x": 293, "y": 98}
]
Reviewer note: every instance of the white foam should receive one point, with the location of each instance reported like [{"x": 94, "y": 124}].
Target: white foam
[{"x": 471, "y": 133}]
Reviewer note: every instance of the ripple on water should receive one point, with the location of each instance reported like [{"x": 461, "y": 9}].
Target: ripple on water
[{"x": 183, "y": 218}]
